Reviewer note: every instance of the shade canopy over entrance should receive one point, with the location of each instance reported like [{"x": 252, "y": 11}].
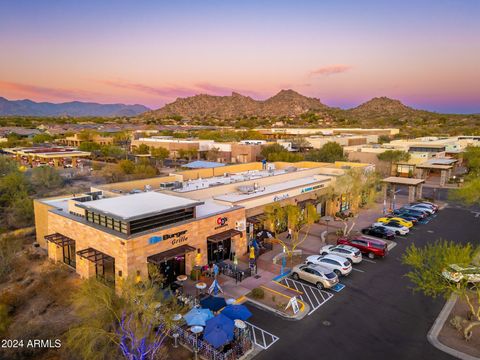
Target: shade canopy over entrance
[
  {"x": 95, "y": 256},
  {"x": 59, "y": 239},
  {"x": 160, "y": 258},
  {"x": 224, "y": 235},
  {"x": 403, "y": 181}
]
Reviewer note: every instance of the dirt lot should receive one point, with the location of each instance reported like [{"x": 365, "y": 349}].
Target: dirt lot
[{"x": 454, "y": 339}]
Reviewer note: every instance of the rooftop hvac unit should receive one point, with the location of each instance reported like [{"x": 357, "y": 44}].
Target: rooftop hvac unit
[
  {"x": 290, "y": 169},
  {"x": 246, "y": 189}
]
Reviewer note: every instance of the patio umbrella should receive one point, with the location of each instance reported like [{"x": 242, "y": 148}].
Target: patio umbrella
[
  {"x": 219, "y": 331},
  {"x": 198, "y": 317},
  {"x": 235, "y": 312},
  {"x": 215, "y": 288},
  {"x": 213, "y": 303}
]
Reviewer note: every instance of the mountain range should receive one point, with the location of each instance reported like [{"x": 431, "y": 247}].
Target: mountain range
[
  {"x": 286, "y": 103},
  {"x": 73, "y": 108}
]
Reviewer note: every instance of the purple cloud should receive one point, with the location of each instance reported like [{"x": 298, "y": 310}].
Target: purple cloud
[{"x": 331, "y": 70}]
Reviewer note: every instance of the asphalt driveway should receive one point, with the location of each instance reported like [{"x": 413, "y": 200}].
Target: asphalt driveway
[{"x": 376, "y": 316}]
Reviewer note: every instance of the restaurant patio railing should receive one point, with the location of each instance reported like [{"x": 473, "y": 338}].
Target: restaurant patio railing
[{"x": 207, "y": 351}]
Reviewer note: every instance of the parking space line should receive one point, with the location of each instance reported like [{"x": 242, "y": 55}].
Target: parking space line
[
  {"x": 311, "y": 295},
  {"x": 369, "y": 261},
  {"x": 264, "y": 345},
  {"x": 354, "y": 269}
]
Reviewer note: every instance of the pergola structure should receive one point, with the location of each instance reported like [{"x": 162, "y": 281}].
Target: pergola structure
[
  {"x": 415, "y": 186},
  {"x": 59, "y": 239},
  {"x": 445, "y": 171},
  {"x": 95, "y": 256}
]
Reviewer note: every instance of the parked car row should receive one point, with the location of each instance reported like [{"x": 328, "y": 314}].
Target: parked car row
[
  {"x": 334, "y": 261},
  {"x": 400, "y": 221}
]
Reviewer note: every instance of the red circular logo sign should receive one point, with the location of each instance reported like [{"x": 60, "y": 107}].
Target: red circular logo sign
[{"x": 222, "y": 220}]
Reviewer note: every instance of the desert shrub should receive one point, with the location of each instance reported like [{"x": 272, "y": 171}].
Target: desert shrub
[{"x": 258, "y": 293}]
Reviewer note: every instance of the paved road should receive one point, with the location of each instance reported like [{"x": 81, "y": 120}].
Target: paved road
[{"x": 376, "y": 316}]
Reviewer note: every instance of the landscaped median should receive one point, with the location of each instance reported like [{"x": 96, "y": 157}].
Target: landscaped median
[{"x": 275, "y": 297}]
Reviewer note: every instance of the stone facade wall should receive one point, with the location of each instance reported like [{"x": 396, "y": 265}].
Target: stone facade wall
[{"x": 131, "y": 254}]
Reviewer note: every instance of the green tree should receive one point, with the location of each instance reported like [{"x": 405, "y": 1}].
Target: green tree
[
  {"x": 112, "y": 151},
  {"x": 46, "y": 177},
  {"x": 126, "y": 166},
  {"x": 9, "y": 246},
  {"x": 89, "y": 146},
  {"x": 469, "y": 193},
  {"x": 276, "y": 152},
  {"x": 142, "y": 149},
  {"x": 393, "y": 157},
  {"x": 330, "y": 152},
  {"x": 426, "y": 267},
  {"x": 295, "y": 220},
  {"x": 42, "y": 138},
  {"x": 159, "y": 154},
  {"x": 7, "y": 166},
  {"x": 361, "y": 190}
]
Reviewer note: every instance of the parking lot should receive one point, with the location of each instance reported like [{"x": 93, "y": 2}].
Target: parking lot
[{"x": 376, "y": 315}]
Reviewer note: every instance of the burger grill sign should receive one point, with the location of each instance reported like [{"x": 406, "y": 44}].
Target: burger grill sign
[{"x": 176, "y": 238}]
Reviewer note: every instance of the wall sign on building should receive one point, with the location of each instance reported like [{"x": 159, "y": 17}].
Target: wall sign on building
[
  {"x": 280, "y": 197},
  {"x": 312, "y": 188},
  {"x": 221, "y": 222},
  {"x": 177, "y": 238}
]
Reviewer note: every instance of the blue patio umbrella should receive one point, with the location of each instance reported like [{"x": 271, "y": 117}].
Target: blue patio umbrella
[
  {"x": 219, "y": 331},
  {"x": 235, "y": 312},
  {"x": 198, "y": 317},
  {"x": 213, "y": 303}
]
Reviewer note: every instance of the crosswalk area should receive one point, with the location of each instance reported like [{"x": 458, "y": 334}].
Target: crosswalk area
[{"x": 314, "y": 297}]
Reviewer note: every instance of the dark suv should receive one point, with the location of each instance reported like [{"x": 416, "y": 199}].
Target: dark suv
[{"x": 371, "y": 247}]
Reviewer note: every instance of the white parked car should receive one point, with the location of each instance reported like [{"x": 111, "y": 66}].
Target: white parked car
[
  {"x": 338, "y": 264},
  {"x": 393, "y": 226},
  {"x": 346, "y": 251},
  {"x": 421, "y": 207}
]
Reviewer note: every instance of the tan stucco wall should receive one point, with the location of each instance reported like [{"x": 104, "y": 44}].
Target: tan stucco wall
[{"x": 41, "y": 221}]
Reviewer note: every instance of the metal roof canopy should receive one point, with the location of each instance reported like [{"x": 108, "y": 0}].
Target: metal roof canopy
[
  {"x": 434, "y": 166},
  {"x": 159, "y": 258},
  {"x": 95, "y": 256},
  {"x": 59, "y": 239},
  {"x": 224, "y": 235},
  {"x": 203, "y": 165},
  {"x": 403, "y": 181}
]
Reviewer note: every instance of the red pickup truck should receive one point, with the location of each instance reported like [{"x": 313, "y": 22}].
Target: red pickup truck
[{"x": 371, "y": 247}]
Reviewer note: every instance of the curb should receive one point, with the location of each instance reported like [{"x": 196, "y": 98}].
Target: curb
[{"x": 432, "y": 335}]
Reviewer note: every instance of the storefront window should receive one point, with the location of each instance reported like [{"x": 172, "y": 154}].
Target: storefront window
[
  {"x": 105, "y": 272},
  {"x": 69, "y": 255}
]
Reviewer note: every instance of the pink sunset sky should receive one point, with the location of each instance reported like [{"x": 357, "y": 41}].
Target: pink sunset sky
[{"x": 425, "y": 53}]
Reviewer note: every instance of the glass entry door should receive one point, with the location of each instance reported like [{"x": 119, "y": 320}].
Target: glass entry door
[{"x": 218, "y": 251}]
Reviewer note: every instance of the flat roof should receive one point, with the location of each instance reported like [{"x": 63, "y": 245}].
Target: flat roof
[
  {"x": 135, "y": 206},
  {"x": 434, "y": 166},
  {"x": 403, "y": 181},
  {"x": 272, "y": 189}
]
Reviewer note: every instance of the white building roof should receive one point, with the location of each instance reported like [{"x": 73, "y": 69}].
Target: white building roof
[
  {"x": 272, "y": 189},
  {"x": 130, "y": 207}
]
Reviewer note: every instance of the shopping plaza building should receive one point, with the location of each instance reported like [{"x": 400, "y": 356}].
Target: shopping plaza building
[{"x": 179, "y": 222}]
